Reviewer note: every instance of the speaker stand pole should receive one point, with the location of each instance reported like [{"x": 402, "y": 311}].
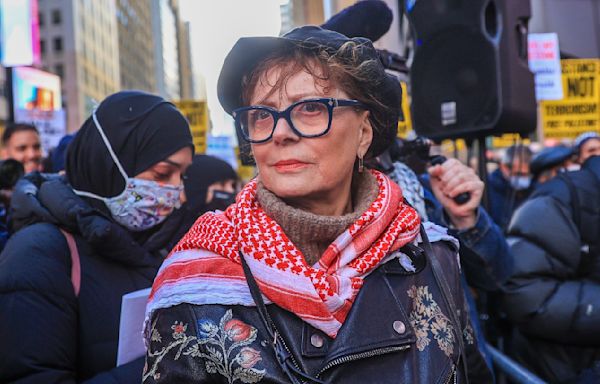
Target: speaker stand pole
[
  {"x": 10, "y": 100},
  {"x": 482, "y": 170}
]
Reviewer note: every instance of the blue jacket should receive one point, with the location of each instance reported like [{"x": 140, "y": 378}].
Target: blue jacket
[
  {"x": 503, "y": 199},
  {"x": 484, "y": 254}
]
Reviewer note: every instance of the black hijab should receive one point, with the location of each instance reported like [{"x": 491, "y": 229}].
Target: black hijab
[
  {"x": 143, "y": 129},
  {"x": 204, "y": 171}
]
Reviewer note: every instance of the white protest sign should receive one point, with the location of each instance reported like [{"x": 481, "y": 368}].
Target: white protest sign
[{"x": 544, "y": 62}]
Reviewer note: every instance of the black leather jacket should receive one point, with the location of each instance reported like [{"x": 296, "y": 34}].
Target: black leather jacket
[{"x": 399, "y": 330}]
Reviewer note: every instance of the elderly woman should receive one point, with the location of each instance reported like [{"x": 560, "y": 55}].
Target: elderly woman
[{"x": 319, "y": 271}]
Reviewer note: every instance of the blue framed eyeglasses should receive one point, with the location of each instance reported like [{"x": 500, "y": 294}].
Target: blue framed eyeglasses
[{"x": 307, "y": 118}]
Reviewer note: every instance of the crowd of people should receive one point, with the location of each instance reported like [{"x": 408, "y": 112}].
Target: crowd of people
[{"x": 337, "y": 263}]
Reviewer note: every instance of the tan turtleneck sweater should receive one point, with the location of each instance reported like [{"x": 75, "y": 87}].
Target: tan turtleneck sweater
[{"x": 311, "y": 233}]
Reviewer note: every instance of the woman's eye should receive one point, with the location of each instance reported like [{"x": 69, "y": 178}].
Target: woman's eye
[
  {"x": 162, "y": 176},
  {"x": 312, "y": 108},
  {"x": 260, "y": 115}
]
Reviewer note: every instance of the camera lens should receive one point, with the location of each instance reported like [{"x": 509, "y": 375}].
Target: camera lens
[{"x": 10, "y": 172}]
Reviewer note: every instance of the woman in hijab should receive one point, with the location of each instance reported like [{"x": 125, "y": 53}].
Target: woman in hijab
[
  {"x": 209, "y": 184},
  {"x": 86, "y": 241},
  {"x": 319, "y": 272}
]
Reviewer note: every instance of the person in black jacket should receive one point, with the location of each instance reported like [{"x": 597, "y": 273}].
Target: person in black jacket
[
  {"x": 553, "y": 295},
  {"x": 123, "y": 180}
]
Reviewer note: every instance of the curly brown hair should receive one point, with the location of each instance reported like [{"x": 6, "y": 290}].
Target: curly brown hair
[{"x": 344, "y": 68}]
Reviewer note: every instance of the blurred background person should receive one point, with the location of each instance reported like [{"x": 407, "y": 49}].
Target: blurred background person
[
  {"x": 86, "y": 240},
  {"x": 22, "y": 143},
  {"x": 549, "y": 162},
  {"x": 10, "y": 172},
  {"x": 553, "y": 294},
  {"x": 587, "y": 144},
  {"x": 55, "y": 161},
  {"x": 210, "y": 184},
  {"x": 509, "y": 185}
]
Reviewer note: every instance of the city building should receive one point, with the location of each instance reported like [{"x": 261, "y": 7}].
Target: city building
[
  {"x": 186, "y": 76},
  {"x": 166, "y": 52},
  {"x": 136, "y": 48},
  {"x": 79, "y": 43}
]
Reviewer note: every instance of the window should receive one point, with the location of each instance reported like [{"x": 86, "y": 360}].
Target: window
[
  {"x": 59, "y": 70},
  {"x": 42, "y": 47},
  {"x": 41, "y": 19},
  {"x": 56, "y": 17},
  {"x": 57, "y": 44}
]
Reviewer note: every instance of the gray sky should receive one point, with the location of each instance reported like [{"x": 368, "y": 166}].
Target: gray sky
[{"x": 215, "y": 27}]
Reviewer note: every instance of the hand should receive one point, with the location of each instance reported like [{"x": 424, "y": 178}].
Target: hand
[{"x": 449, "y": 180}]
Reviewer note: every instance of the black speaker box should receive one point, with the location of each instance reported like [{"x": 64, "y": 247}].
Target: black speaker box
[{"x": 469, "y": 76}]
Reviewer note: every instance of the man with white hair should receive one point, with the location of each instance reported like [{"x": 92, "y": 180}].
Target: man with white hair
[{"x": 586, "y": 145}]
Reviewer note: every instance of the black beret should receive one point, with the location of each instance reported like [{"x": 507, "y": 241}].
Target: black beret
[
  {"x": 249, "y": 52},
  {"x": 548, "y": 158}
]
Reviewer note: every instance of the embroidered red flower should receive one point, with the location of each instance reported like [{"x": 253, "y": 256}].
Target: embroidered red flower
[
  {"x": 248, "y": 357},
  {"x": 237, "y": 330}
]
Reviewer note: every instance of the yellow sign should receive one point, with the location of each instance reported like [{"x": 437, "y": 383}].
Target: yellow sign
[
  {"x": 245, "y": 172},
  {"x": 405, "y": 126},
  {"x": 451, "y": 146},
  {"x": 579, "y": 110},
  {"x": 196, "y": 112},
  {"x": 508, "y": 140}
]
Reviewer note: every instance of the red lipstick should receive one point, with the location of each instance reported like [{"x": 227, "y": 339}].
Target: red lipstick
[{"x": 291, "y": 165}]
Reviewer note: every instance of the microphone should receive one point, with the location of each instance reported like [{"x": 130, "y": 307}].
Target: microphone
[{"x": 367, "y": 18}]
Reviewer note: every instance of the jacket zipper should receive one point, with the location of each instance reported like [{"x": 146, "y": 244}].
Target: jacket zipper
[
  {"x": 452, "y": 379},
  {"x": 364, "y": 355},
  {"x": 280, "y": 339}
]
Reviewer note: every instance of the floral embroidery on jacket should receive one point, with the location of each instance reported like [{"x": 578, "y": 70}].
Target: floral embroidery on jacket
[
  {"x": 226, "y": 349},
  {"x": 428, "y": 320}
]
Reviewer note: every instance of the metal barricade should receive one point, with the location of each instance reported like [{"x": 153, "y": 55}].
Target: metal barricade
[{"x": 513, "y": 370}]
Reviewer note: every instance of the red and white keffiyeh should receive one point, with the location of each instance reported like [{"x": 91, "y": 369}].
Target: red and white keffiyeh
[{"x": 204, "y": 268}]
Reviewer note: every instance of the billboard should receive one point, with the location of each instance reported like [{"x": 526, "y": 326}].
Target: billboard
[
  {"x": 19, "y": 33},
  {"x": 37, "y": 100},
  {"x": 36, "y": 89}
]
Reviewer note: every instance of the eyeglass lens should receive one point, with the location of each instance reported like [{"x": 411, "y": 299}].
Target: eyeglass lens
[{"x": 309, "y": 118}]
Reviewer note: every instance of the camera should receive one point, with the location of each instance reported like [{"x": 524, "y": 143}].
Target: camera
[{"x": 10, "y": 172}]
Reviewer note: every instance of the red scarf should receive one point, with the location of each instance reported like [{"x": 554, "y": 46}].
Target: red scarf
[{"x": 204, "y": 268}]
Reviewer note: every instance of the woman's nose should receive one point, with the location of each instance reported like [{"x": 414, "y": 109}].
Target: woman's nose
[{"x": 283, "y": 132}]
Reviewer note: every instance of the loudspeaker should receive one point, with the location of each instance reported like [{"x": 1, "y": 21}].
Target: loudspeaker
[{"x": 470, "y": 76}]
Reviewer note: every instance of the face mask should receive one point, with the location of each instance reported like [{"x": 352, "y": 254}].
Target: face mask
[
  {"x": 520, "y": 183},
  {"x": 220, "y": 200},
  {"x": 143, "y": 204}
]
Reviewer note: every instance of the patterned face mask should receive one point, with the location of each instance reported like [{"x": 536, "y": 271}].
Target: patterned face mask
[{"x": 143, "y": 204}]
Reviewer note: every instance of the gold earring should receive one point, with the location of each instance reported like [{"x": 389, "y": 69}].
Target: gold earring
[{"x": 361, "y": 166}]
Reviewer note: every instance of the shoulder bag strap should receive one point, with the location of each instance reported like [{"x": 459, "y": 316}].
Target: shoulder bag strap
[
  {"x": 282, "y": 354},
  {"x": 75, "y": 263}
]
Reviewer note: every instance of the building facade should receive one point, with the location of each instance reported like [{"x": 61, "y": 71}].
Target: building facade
[
  {"x": 136, "y": 48},
  {"x": 166, "y": 52},
  {"x": 78, "y": 41},
  {"x": 186, "y": 77}
]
